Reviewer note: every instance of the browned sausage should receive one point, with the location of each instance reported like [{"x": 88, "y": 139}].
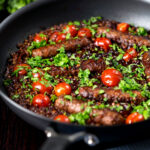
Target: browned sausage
[
  {"x": 110, "y": 94},
  {"x": 94, "y": 65},
  {"x": 146, "y": 63},
  {"x": 124, "y": 38},
  {"x": 52, "y": 50},
  {"x": 97, "y": 116}
]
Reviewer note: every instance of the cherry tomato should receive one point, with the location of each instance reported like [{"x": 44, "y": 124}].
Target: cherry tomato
[
  {"x": 70, "y": 29},
  {"x": 38, "y": 74},
  {"x": 54, "y": 36},
  {"x": 39, "y": 38},
  {"x": 84, "y": 32},
  {"x": 103, "y": 43},
  {"x": 127, "y": 57},
  {"x": 111, "y": 77},
  {"x": 23, "y": 68},
  {"x": 62, "y": 89},
  {"x": 130, "y": 53},
  {"x": 134, "y": 117},
  {"x": 62, "y": 118},
  {"x": 41, "y": 100},
  {"x": 41, "y": 88},
  {"x": 123, "y": 27},
  {"x": 61, "y": 37}
]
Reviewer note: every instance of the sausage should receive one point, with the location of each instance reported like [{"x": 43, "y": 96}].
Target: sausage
[
  {"x": 110, "y": 94},
  {"x": 146, "y": 63},
  {"x": 52, "y": 50},
  {"x": 94, "y": 65},
  {"x": 126, "y": 39},
  {"x": 97, "y": 116}
]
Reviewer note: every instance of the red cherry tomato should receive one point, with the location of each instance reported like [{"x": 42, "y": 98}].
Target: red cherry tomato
[
  {"x": 127, "y": 57},
  {"x": 38, "y": 74},
  {"x": 41, "y": 88},
  {"x": 39, "y": 38},
  {"x": 41, "y": 100},
  {"x": 130, "y": 53},
  {"x": 123, "y": 27},
  {"x": 62, "y": 118},
  {"x": 84, "y": 32},
  {"x": 134, "y": 117},
  {"x": 61, "y": 37},
  {"x": 54, "y": 36},
  {"x": 62, "y": 89},
  {"x": 111, "y": 77},
  {"x": 70, "y": 29},
  {"x": 103, "y": 43},
  {"x": 23, "y": 68}
]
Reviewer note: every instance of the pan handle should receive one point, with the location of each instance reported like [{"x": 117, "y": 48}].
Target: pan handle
[{"x": 61, "y": 142}]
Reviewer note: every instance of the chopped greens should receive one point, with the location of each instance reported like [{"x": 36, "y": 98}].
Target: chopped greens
[
  {"x": 81, "y": 117},
  {"x": 38, "y": 62},
  {"x": 84, "y": 78}
]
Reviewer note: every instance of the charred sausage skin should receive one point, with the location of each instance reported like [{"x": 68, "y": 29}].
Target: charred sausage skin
[{"x": 98, "y": 116}]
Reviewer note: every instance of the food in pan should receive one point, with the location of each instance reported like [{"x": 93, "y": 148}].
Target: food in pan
[{"x": 90, "y": 72}]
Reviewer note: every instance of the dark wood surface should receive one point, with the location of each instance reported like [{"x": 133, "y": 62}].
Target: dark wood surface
[{"x": 15, "y": 134}]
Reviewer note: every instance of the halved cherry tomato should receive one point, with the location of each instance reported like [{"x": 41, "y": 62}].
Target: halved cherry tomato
[
  {"x": 70, "y": 29},
  {"x": 54, "y": 36},
  {"x": 62, "y": 118},
  {"x": 41, "y": 100},
  {"x": 111, "y": 77},
  {"x": 62, "y": 89},
  {"x": 84, "y": 32},
  {"x": 103, "y": 43},
  {"x": 130, "y": 53},
  {"x": 41, "y": 88},
  {"x": 23, "y": 68},
  {"x": 134, "y": 117},
  {"x": 123, "y": 27},
  {"x": 39, "y": 38},
  {"x": 38, "y": 74},
  {"x": 127, "y": 57},
  {"x": 61, "y": 37}
]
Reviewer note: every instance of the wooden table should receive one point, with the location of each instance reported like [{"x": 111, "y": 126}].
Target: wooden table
[{"x": 15, "y": 134}]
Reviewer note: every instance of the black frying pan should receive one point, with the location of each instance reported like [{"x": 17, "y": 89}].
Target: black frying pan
[{"x": 47, "y": 13}]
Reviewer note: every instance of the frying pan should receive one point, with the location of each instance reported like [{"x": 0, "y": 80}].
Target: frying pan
[{"x": 43, "y": 13}]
